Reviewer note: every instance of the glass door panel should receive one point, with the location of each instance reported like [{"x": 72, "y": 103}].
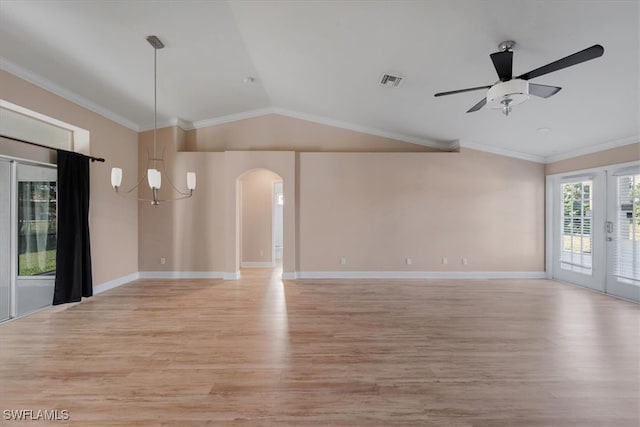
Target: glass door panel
[
  {"x": 623, "y": 234},
  {"x": 5, "y": 240},
  {"x": 576, "y": 220},
  {"x": 578, "y": 252},
  {"x": 36, "y": 242}
]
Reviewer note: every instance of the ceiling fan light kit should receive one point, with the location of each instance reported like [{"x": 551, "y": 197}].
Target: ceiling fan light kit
[
  {"x": 505, "y": 95},
  {"x": 510, "y": 91}
]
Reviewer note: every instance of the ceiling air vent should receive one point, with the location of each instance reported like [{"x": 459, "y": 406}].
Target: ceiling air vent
[{"x": 390, "y": 80}]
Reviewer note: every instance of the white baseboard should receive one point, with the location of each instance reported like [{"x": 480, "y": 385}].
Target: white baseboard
[
  {"x": 231, "y": 275},
  {"x": 102, "y": 287},
  {"x": 292, "y": 275},
  {"x": 182, "y": 275},
  {"x": 418, "y": 275},
  {"x": 257, "y": 264}
]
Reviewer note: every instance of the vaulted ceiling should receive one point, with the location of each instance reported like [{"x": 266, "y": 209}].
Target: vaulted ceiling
[{"x": 322, "y": 61}]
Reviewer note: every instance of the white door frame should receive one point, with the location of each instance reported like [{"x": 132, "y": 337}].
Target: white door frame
[
  {"x": 595, "y": 280},
  {"x": 615, "y": 286},
  {"x": 22, "y": 170},
  {"x": 274, "y": 206},
  {"x": 598, "y": 225}
]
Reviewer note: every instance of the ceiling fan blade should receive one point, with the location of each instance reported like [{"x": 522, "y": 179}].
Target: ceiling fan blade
[
  {"x": 587, "y": 54},
  {"x": 503, "y": 61},
  {"x": 451, "y": 92},
  {"x": 543, "y": 91},
  {"x": 478, "y": 106}
]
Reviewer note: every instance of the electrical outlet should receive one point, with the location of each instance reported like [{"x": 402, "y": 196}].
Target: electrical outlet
[
  {"x": 465, "y": 261},
  {"x": 445, "y": 260},
  {"x": 261, "y": 252},
  {"x": 409, "y": 261},
  {"x": 163, "y": 261},
  {"x": 343, "y": 260}
]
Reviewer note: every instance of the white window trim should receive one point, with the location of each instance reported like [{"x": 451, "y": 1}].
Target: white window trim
[{"x": 79, "y": 136}]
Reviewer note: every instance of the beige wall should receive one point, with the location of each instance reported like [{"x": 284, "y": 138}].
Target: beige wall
[
  {"x": 113, "y": 220},
  {"x": 378, "y": 209},
  {"x": 256, "y": 189},
  {"x": 276, "y": 132},
  {"x": 626, "y": 153},
  {"x": 372, "y": 200},
  {"x": 201, "y": 234},
  {"x": 375, "y": 209},
  {"x": 188, "y": 234}
]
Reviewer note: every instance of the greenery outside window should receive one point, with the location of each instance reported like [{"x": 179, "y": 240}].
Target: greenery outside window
[{"x": 37, "y": 228}]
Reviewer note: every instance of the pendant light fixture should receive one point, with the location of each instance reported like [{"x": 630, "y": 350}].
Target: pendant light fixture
[{"x": 155, "y": 164}]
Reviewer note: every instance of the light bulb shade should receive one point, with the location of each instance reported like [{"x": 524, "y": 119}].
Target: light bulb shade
[
  {"x": 191, "y": 180},
  {"x": 116, "y": 177},
  {"x": 154, "y": 178},
  {"x": 515, "y": 90}
]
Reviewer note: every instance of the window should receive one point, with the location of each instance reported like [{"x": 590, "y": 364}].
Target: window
[
  {"x": 37, "y": 228},
  {"x": 576, "y": 221}
]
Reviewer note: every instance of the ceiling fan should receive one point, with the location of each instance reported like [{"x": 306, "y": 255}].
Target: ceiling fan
[{"x": 510, "y": 91}]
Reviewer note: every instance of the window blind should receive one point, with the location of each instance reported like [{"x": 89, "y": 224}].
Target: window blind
[
  {"x": 576, "y": 222},
  {"x": 626, "y": 250}
]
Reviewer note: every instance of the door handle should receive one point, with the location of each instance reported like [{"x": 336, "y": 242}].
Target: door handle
[{"x": 609, "y": 226}]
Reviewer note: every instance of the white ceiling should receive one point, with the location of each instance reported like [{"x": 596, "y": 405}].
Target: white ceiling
[{"x": 322, "y": 60}]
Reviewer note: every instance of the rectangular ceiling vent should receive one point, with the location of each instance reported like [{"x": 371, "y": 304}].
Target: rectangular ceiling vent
[{"x": 390, "y": 80}]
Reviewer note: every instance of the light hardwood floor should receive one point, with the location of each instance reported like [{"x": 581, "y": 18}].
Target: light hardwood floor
[{"x": 313, "y": 353}]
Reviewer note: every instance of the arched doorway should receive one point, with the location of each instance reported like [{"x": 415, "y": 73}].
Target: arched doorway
[{"x": 238, "y": 164}]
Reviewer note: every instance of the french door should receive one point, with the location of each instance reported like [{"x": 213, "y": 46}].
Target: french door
[
  {"x": 595, "y": 230},
  {"x": 578, "y": 248},
  {"x": 623, "y": 233}
]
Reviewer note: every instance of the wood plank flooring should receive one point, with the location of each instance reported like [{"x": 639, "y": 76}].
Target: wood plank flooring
[{"x": 260, "y": 352}]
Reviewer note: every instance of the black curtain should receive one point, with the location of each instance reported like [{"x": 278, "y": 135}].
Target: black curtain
[{"x": 73, "y": 253}]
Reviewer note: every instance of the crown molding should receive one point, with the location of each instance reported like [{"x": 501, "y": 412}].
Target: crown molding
[
  {"x": 184, "y": 124},
  {"x": 48, "y": 85},
  {"x": 501, "y": 151},
  {"x": 233, "y": 117},
  {"x": 324, "y": 121},
  {"x": 176, "y": 121},
  {"x": 441, "y": 145},
  {"x": 593, "y": 149}
]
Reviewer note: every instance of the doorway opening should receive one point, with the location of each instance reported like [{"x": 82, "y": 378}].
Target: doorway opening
[{"x": 261, "y": 219}]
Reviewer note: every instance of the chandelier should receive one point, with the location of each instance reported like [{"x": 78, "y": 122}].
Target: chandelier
[{"x": 155, "y": 164}]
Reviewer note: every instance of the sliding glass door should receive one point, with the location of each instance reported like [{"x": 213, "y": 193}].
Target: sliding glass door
[
  {"x": 36, "y": 237},
  {"x": 28, "y": 233}
]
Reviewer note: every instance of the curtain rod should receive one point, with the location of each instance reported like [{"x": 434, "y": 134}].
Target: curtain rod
[{"x": 93, "y": 159}]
